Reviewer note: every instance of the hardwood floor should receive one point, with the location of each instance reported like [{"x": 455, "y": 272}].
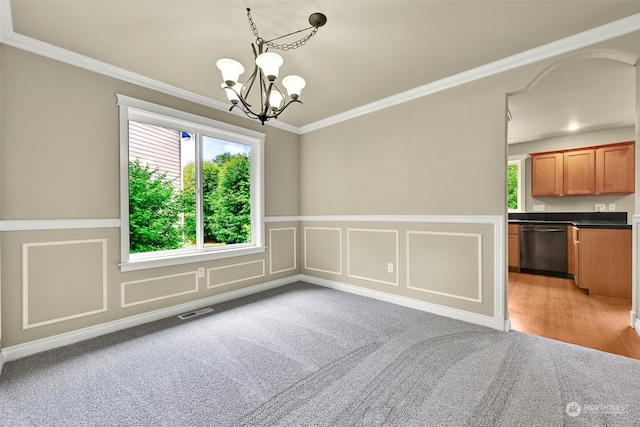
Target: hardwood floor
[{"x": 555, "y": 308}]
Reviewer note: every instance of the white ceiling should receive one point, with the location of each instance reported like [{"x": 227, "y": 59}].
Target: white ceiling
[{"x": 367, "y": 51}]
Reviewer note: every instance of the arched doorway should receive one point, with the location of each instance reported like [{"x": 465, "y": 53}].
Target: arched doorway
[{"x": 594, "y": 91}]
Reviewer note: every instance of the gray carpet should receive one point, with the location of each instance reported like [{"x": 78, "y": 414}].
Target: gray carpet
[{"x": 303, "y": 355}]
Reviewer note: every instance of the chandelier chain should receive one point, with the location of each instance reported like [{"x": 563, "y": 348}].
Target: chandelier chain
[{"x": 284, "y": 46}]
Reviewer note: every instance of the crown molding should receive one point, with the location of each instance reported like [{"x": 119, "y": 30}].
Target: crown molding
[
  {"x": 586, "y": 38},
  {"x": 38, "y": 47},
  {"x": 595, "y": 35}
]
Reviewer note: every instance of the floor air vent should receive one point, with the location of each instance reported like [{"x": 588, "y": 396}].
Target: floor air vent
[{"x": 195, "y": 313}]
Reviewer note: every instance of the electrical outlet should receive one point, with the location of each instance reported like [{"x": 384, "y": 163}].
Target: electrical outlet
[
  {"x": 201, "y": 272},
  {"x": 612, "y": 206},
  {"x": 600, "y": 207},
  {"x": 538, "y": 208},
  {"x": 390, "y": 267}
]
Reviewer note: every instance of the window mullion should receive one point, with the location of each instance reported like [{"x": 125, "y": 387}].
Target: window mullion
[{"x": 199, "y": 197}]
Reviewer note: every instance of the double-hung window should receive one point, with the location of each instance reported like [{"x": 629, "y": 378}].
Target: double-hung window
[{"x": 191, "y": 187}]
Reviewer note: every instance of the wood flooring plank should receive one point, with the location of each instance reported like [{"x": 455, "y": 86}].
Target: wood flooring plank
[{"x": 556, "y": 308}]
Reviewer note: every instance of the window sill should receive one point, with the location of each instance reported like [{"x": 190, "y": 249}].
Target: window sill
[{"x": 174, "y": 259}]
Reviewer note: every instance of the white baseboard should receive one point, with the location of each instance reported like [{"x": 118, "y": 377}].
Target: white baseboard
[
  {"x": 23, "y": 350},
  {"x": 466, "y": 316}
]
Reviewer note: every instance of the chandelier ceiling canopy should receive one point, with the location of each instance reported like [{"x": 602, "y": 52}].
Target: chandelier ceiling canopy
[{"x": 265, "y": 72}]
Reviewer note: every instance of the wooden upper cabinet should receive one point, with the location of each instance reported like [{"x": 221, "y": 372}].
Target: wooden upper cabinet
[
  {"x": 579, "y": 172},
  {"x": 615, "y": 166},
  {"x": 547, "y": 174},
  {"x": 606, "y": 169}
]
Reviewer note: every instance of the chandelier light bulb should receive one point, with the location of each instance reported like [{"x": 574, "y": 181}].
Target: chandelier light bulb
[
  {"x": 231, "y": 95},
  {"x": 230, "y": 69},
  {"x": 269, "y": 63},
  {"x": 294, "y": 85},
  {"x": 275, "y": 99}
]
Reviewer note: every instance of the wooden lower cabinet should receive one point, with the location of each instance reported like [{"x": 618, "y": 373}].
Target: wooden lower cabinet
[
  {"x": 603, "y": 261},
  {"x": 514, "y": 247}
]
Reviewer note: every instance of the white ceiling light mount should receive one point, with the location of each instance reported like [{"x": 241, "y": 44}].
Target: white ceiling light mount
[{"x": 265, "y": 73}]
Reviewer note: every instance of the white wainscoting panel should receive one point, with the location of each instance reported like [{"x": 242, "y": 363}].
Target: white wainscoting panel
[
  {"x": 142, "y": 291},
  {"x": 323, "y": 249},
  {"x": 234, "y": 273},
  {"x": 282, "y": 250},
  {"x": 435, "y": 260},
  {"x": 371, "y": 253},
  {"x": 63, "y": 280}
]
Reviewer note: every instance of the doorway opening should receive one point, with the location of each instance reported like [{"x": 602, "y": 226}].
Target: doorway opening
[{"x": 587, "y": 99}]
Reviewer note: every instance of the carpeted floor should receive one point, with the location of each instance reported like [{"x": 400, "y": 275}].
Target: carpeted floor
[{"x": 303, "y": 355}]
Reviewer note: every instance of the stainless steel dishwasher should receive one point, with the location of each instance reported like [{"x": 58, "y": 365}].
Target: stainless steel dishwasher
[{"x": 543, "y": 249}]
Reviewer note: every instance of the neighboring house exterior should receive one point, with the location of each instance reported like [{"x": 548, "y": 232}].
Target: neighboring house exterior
[{"x": 157, "y": 147}]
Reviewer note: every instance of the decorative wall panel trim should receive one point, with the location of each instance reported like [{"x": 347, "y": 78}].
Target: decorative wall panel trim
[
  {"x": 57, "y": 224},
  {"x": 244, "y": 266},
  {"x": 295, "y": 250},
  {"x": 396, "y": 256},
  {"x": 478, "y": 242},
  {"x": 338, "y": 249},
  {"x": 124, "y": 285},
  {"x": 26, "y": 247}
]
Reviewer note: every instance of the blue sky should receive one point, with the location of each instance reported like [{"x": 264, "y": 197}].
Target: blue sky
[{"x": 211, "y": 148}]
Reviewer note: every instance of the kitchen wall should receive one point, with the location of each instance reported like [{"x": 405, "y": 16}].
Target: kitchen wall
[{"x": 624, "y": 203}]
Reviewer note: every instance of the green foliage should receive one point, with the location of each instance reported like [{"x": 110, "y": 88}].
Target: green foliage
[
  {"x": 512, "y": 186},
  {"x": 189, "y": 203},
  {"x": 163, "y": 218},
  {"x": 230, "y": 202},
  {"x": 154, "y": 211}
]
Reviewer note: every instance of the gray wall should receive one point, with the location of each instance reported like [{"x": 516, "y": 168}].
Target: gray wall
[{"x": 60, "y": 145}]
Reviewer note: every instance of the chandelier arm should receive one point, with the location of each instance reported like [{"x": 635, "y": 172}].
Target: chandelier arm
[
  {"x": 285, "y": 106},
  {"x": 251, "y": 81}
]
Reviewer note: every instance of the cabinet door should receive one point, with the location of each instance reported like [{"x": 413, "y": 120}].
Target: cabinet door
[
  {"x": 579, "y": 172},
  {"x": 546, "y": 174},
  {"x": 616, "y": 169}
]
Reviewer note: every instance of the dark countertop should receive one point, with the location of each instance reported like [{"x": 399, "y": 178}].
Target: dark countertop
[
  {"x": 579, "y": 224},
  {"x": 605, "y": 220}
]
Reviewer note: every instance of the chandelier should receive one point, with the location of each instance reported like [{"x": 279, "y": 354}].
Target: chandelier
[{"x": 265, "y": 72}]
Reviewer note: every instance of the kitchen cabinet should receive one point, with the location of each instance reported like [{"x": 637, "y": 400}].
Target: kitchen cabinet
[
  {"x": 547, "y": 174},
  {"x": 603, "y": 261},
  {"x": 615, "y": 166},
  {"x": 579, "y": 172},
  {"x": 606, "y": 169},
  {"x": 514, "y": 247}
]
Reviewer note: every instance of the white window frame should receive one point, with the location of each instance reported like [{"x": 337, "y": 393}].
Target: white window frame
[
  {"x": 520, "y": 161},
  {"x": 146, "y": 112}
]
